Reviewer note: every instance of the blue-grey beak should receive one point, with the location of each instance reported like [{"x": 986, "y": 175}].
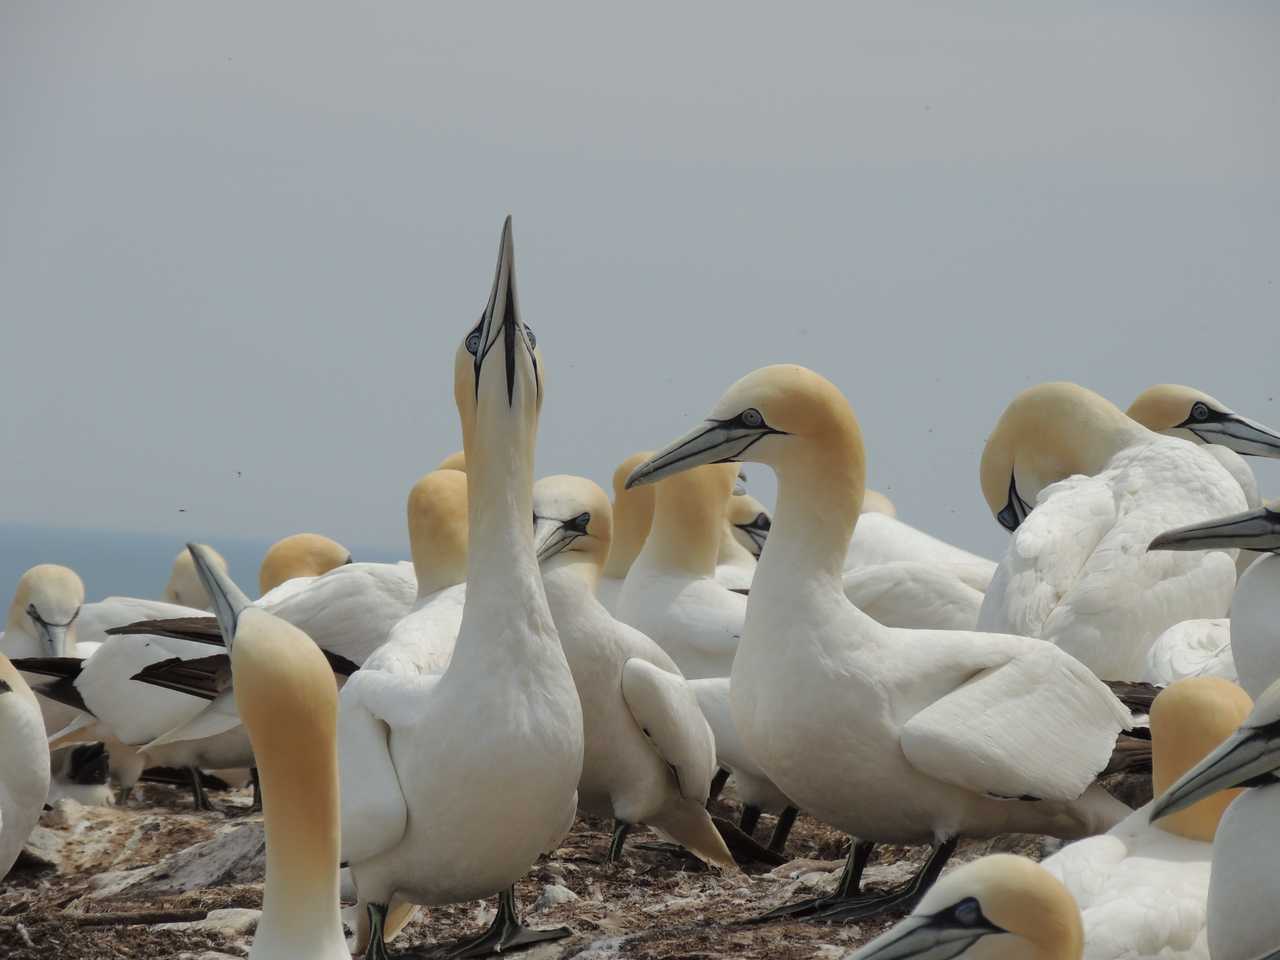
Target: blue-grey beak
[
  {"x": 228, "y": 600},
  {"x": 1251, "y": 530},
  {"x": 1249, "y": 757}
]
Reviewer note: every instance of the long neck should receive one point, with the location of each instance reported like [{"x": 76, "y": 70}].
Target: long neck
[
  {"x": 731, "y": 552},
  {"x": 435, "y": 569},
  {"x": 686, "y": 531},
  {"x": 632, "y": 518}
]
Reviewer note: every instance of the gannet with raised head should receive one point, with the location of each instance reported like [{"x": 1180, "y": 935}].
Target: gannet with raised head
[
  {"x": 1001, "y": 907},
  {"x": 1142, "y": 888},
  {"x": 907, "y": 736},
  {"x": 43, "y": 622},
  {"x": 184, "y": 587},
  {"x": 307, "y": 555},
  {"x": 24, "y": 763},
  {"x": 479, "y": 766},
  {"x": 671, "y": 593},
  {"x": 1244, "y": 886},
  {"x": 632, "y": 518},
  {"x": 287, "y": 696},
  {"x": 1102, "y": 486},
  {"x": 648, "y": 754},
  {"x": 1254, "y": 629}
]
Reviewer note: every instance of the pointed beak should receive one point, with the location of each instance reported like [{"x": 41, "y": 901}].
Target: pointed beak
[
  {"x": 1249, "y": 757},
  {"x": 757, "y": 535},
  {"x": 1246, "y": 437},
  {"x": 1015, "y": 509},
  {"x": 551, "y": 536},
  {"x": 924, "y": 937},
  {"x": 1252, "y": 530},
  {"x": 228, "y": 600},
  {"x": 713, "y": 442},
  {"x": 56, "y": 635},
  {"x": 501, "y": 330}
]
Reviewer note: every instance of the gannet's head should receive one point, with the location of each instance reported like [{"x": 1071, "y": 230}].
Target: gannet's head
[
  {"x": 454, "y": 461},
  {"x": 299, "y": 555},
  {"x": 1185, "y": 412},
  {"x": 184, "y": 586},
  {"x": 632, "y": 518},
  {"x": 437, "y": 511},
  {"x": 1000, "y": 897},
  {"x": 1048, "y": 433},
  {"x": 1251, "y": 530},
  {"x": 571, "y": 515},
  {"x": 1189, "y": 719},
  {"x": 1250, "y": 757},
  {"x": 750, "y": 522},
  {"x": 873, "y": 501},
  {"x": 498, "y": 372},
  {"x": 45, "y": 607},
  {"x": 784, "y": 416},
  {"x": 228, "y": 601}
]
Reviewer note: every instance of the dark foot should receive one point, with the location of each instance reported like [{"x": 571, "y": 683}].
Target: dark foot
[
  {"x": 197, "y": 790},
  {"x": 377, "y": 948},
  {"x": 903, "y": 898},
  {"x": 744, "y": 847},
  {"x": 620, "y": 831},
  {"x": 750, "y": 817},
  {"x": 717, "y": 784},
  {"x": 256, "y": 806},
  {"x": 846, "y": 890},
  {"x": 506, "y": 933},
  {"x": 782, "y": 829}
]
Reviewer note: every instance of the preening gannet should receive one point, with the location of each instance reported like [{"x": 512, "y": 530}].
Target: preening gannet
[
  {"x": 1001, "y": 907},
  {"x": 42, "y": 623},
  {"x": 478, "y": 766},
  {"x": 748, "y": 519},
  {"x": 184, "y": 587},
  {"x": 1102, "y": 486},
  {"x": 299, "y": 555},
  {"x": 1142, "y": 887},
  {"x": 1244, "y": 885},
  {"x": 1254, "y": 628},
  {"x": 24, "y": 763},
  {"x": 671, "y": 593},
  {"x": 287, "y": 697},
  {"x": 908, "y": 736},
  {"x": 648, "y": 755},
  {"x": 632, "y": 517}
]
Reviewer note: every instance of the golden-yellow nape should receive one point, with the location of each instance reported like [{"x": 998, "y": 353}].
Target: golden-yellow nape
[
  {"x": 454, "y": 461},
  {"x": 437, "y": 517},
  {"x": 873, "y": 501},
  {"x": 184, "y": 586},
  {"x": 1169, "y": 405},
  {"x": 632, "y": 518},
  {"x": 571, "y": 515},
  {"x": 1189, "y": 720},
  {"x": 689, "y": 510},
  {"x": 1192, "y": 414},
  {"x": 1049, "y": 432},
  {"x": 300, "y": 555}
]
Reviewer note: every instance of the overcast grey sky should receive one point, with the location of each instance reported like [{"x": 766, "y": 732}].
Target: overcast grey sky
[{"x": 240, "y": 241}]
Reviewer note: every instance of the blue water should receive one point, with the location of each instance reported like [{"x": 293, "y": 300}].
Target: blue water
[{"x": 113, "y": 563}]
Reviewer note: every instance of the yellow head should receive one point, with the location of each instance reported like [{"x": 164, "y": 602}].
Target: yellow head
[
  {"x": 454, "y": 461},
  {"x": 44, "y": 610},
  {"x": 571, "y": 517},
  {"x": 1189, "y": 720},
  {"x": 1048, "y": 433},
  {"x": 437, "y": 512},
  {"x": 1003, "y": 905},
  {"x": 1191, "y": 414},
  {"x": 184, "y": 586},
  {"x": 300, "y": 555},
  {"x": 632, "y": 518}
]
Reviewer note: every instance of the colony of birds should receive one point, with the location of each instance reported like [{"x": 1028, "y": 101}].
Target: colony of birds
[{"x": 423, "y": 734}]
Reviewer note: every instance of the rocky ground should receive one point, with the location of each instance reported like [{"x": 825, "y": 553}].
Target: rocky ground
[{"x": 158, "y": 880}]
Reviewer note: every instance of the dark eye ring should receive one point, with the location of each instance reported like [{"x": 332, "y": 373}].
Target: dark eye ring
[
  {"x": 472, "y": 343},
  {"x": 750, "y": 417},
  {"x": 763, "y": 521},
  {"x": 967, "y": 912},
  {"x": 1200, "y": 411},
  {"x": 528, "y": 332}
]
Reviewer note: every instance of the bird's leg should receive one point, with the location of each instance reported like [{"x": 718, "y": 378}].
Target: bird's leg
[
  {"x": 847, "y": 889},
  {"x": 256, "y": 806},
  {"x": 506, "y": 932},
  {"x": 750, "y": 817},
  {"x": 620, "y": 831},
  {"x": 781, "y": 829},
  {"x": 197, "y": 790},
  {"x": 123, "y": 795},
  {"x": 377, "y": 948},
  {"x": 902, "y": 898},
  {"x": 717, "y": 784}
]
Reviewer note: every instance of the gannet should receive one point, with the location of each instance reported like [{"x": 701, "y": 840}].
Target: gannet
[
  {"x": 42, "y": 622},
  {"x": 454, "y": 461},
  {"x": 478, "y": 766},
  {"x": 1254, "y": 628},
  {"x": 1001, "y": 907},
  {"x": 300, "y": 555},
  {"x": 1076, "y": 572},
  {"x": 632, "y": 517},
  {"x": 1244, "y": 886},
  {"x": 882, "y": 538},
  {"x": 749, "y": 520},
  {"x": 1192, "y": 648},
  {"x": 735, "y": 563},
  {"x": 286, "y": 694},
  {"x": 184, "y": 587},
  {"x": 649, "y": 755},
  {"x": 671, "y": 593},
  {"x": 1142, "y": 887},
  {"x": 24, "y": 763},
  {"x": 907, "y": 736},
  {"x": 873, "y": 501}
]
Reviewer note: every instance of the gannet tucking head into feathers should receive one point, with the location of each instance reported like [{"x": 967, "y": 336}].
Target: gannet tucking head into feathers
[
  {"x": 184, "y": 587},
  {"x": 300, "y": 555},
  {"x": 43, "y": 613}
]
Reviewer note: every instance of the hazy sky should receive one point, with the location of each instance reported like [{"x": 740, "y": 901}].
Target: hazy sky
[{"x": 239, "y": 242}]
